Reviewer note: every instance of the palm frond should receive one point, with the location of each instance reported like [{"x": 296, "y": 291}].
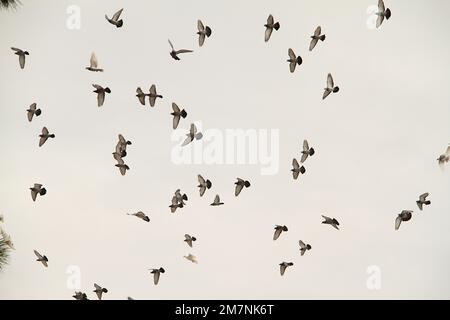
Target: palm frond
[
  {"x": 7, "y": 4},
  {"x": 4, "y": 252}
]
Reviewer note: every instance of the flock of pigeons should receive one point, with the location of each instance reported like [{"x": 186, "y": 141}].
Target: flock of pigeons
[{"x": 179, "y": 199}]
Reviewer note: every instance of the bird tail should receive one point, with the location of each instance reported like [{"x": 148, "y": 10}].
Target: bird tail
[
  {"x": 38, "y": 112},
  {"x": 106, "y": 17},
  {"x": 208, "y": 184},
  {"x": 247, "y": 184},
  {"x": 322, "y": 37},
  {"x": 208, "y": 31},
  {"x": 185, "y": 197},
  {"x": 276, "y": 26},
  {"x": 107, "y": 90},
  {"x": 184, "y": 113},
  {"x": 299, "y": 60},
  {"x": 119, "y": 23},
  {"x": 388, "y": 13},
  {"x": 427, "y": 202}
]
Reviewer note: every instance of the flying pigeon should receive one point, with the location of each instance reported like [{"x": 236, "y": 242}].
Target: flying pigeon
[
  {"x": 181, "y": 197},
  {"x": 141, "y": 95},
  {"x": 296, "y": 170},
  {"x": 216, "y": 201},
  {"x": 100, "y": 91},
  {"x": 278, "y": 231},
  {"x": 177, "y": 114},
  {"x": 191, "y": 258},
  {"x": 203, "y": 185},
  {"x": 174, "y": 53},
  {"x": 193, "y": 134},
  {"x": 284, "y": 265},
  {"x": 270, "y": 25},
  {"x": 37, "y": 189},
  {"x": 99, "y": 291},
  {"x": 202, "y": 32},
  {"x": 115, "y": 19},
  {"x": 80, "y": 296},
  {"x": 316, "y": 37},
  {"x": 330, "y": 87},
  {"x": 121, "y": 164},
  {"x": 121, "y": 146},
  {"x": 40, "y": 258},
  {"x": 293, "y": 60},
  {"x": 32, "y": 111},
  {"x": 189, "y": 239},
  {"x": 93, "y": 64},
  {"x": 331, "y": 221},
  {"x": 382, "y": 13},
  {"x": 175, "y": 205},
  {"x": 240, "y": 184},
  {"x": 405, "y": 215},
  {"x": 303, "y": 247},
  {"x": 307, "y": 151},
  {"x": 444, "y": 158},
  {"x": 423, "y": 200},
  {"x": 44, "y": 136},
  {"x": 21, "y": 55},
  {"x": 153, "y": 95},
  {"x": 156, "y": 274},
  {"x": 140, "y": 215}
]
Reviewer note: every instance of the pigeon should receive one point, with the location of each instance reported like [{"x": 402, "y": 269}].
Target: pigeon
[
  {"x": 93, "y": 64},
  {"x": 284, "y": 265},
  {"x": 216, "y": 201},
  {"x": 203, "y": 32},
  {"x": 141, "y": 95},
  {"x": 130, "y": 298},
  {"x": 203, "y": 185},
  {"x": 153, "y": 95},
  {"x": 316, "y": 37},
  {"x": 37, "y": 189},
  {"x": 303, "y": 247},
  {"x": 444, "y": 158},
  {"x": 307, "y": 151},
  {"x": 382, "y": 13},
  {"x": 180, "y": 197},
  {"x": 42, "y": 259},
  {"x": 174, "y": 53},
  {"x": 331, "y": 221},
  {"x": 191, "y": 258},
  {"x": 115, "y": 19},
  {"x": 296, "y": 170},
  {"x": 80, "y": 296},
  {"x": 121, "y": 146},
  {"x": 278, "y": 231},
  {"x": 99, "y": 291},
  {"x": 21, "y": 55},
  {"x": 156, "y": 274},
  {"x": 330, "y": 87},
  {"x": 121, "y": 165},
  {"x": 175, "y": 205},
  {"x": 32, "y": 111},
  {"x": 177, "y": 114},
  {"x": 193, "y": 134},
  {"x": 293, "y": 60},
  {"x": 270, "y": 25},
  {"x": 6, "y": 238},
  {"x": 100, "y": 91},
  {"x": 140, "y": 215},
  {"x": 189, "y": 239},
  {"x": 423, "y": 200},
  {"x": 405, "y": 215},
  {"x": 44, "y": 136},
  {"x": 240, "y": 184}
]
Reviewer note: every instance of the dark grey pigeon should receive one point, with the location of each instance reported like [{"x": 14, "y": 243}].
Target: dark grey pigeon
[
  {"x": 240, "y": 184},
  {"x": 330, "y": 87},
  {"x": 37, "y": 189},
  {"x": 33, "y": 111},
  {"x": 307, "y": 151},
  {"x": 203, "y": 185},
  {"x": 405, "y": 215},
  {"x": 278, "y": 231},
  {"x": 115, "y": 19},
  {"x": 100, "y": 91},
  {"x": 331, "y": 221},
  {"x": 316, "y": 37},
  {"x": 270, "y": 25},
  {"x": 217, "y": 201},
  {"x": 293, "y": 60},
  {"x": 44, "y": 136},
  {"x": 156, "y": 274},
  {"x": 382, "y": 13},
  {"x": 41, "y": 258},
  {"x": 423, "y": 200},
  {"x": 21, "y": 53},
  {"x": 203, "y": 32},
  {"x": 140, "y": 215},
  {"x": 296, "y": 170},
  {"x": 174, "y": 53},
  {"x": 303, "y": 247},
  {"x": 192, "y": 135},
  {"x": 189, "y": 239},
  {"x": 177, "y": 114},
  {"x": 284, "y": 265},
  {"x": 99, "y": 291}
]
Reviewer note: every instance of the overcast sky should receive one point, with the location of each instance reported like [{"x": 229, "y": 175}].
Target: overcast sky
[{"x": 376, "y": 144}]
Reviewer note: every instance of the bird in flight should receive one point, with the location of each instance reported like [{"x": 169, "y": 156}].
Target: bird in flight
[
  {"x": 331, "y": 221},
  {"x": 405, "y": 215},
  {"x": 203, "y": 32},
  {"x": 270, "y": 25},
  {"x": 382, "y": 13},
  {"x": 240, "y": 184},
  {"x": 330, "y": 87},
  {"x": 316, "y": 37},
  {"x": 191, "y": 258},
  {"x": 303, "y": 247},
  {"x": 284, "y": 265},
  {"x": 151, "y": 96},
  {"x": 192, "y": 135},
  {"x": 93, "y": 64},
  {"x": 293, "y": 60},
  {"x": 177, "y": 114},
  {"x": 189, "y": 239},
  {"x": 444, "y": 158},
  {"x": 156, "y": 274},
  {"x": 140, "y": 215},
  {"x": 21, "y": 54},
  {"x": 307, "y": 151},
  {"x": 121, "y": 164},
  {"x": 121, "y": 146},
  {"x": 296, "y": 170},
  {"x": 99, "y": 291},
  {"x": 278, "y": 231},
  {"x": 115, "y": 19},
  {"x": 32, "y": 111},
  {"x": 216, "y": 201},
  {"x": 42, "y": 259},
  {"x": 203, "y": 185},
  {"x": 174, "y": 53},
  {"x": 37, "y": 189},
  {"x": 178, "y": 201},
  {"x": 80, "y": 296},
  {"x": 100, "y": 91},
  {"x": 44, "y": 136},
  {"x": 423, "y": 200}
]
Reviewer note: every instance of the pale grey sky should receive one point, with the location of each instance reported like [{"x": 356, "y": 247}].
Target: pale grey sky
[{"x": 376, "y": 144}]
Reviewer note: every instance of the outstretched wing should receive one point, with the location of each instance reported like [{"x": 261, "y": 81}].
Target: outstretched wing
[
  {"x": 156, "y": 278},
  {"x": 141, "y": 96},
  {"x": 238, "y": 189},
  {"x": 277, "y": 233},
  {"x": 22, "y": 61},
  {"x": 318, "y": 31},
  {"x": 93, "y": 62},
  {"x": 183, "y": 51},
  {"x": 398, "y": 221},
  {"x": 201, "y": 39},
  {"x": 282, "y": 269},
  {"x": 330, "y": 81},
  {"x": 268, "y": 33},
  {"x": 200, "y": 26},
  {"x": 100, "y": 98},
  {"x": 291, "y": 54},
  {"x": 313, "y": 43},
  {"x": 381, "y": 7},
  {"x": 171, "y": 45},
  {"x": 116, "y": 15},
  {"x": 380, "y": 20}
]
